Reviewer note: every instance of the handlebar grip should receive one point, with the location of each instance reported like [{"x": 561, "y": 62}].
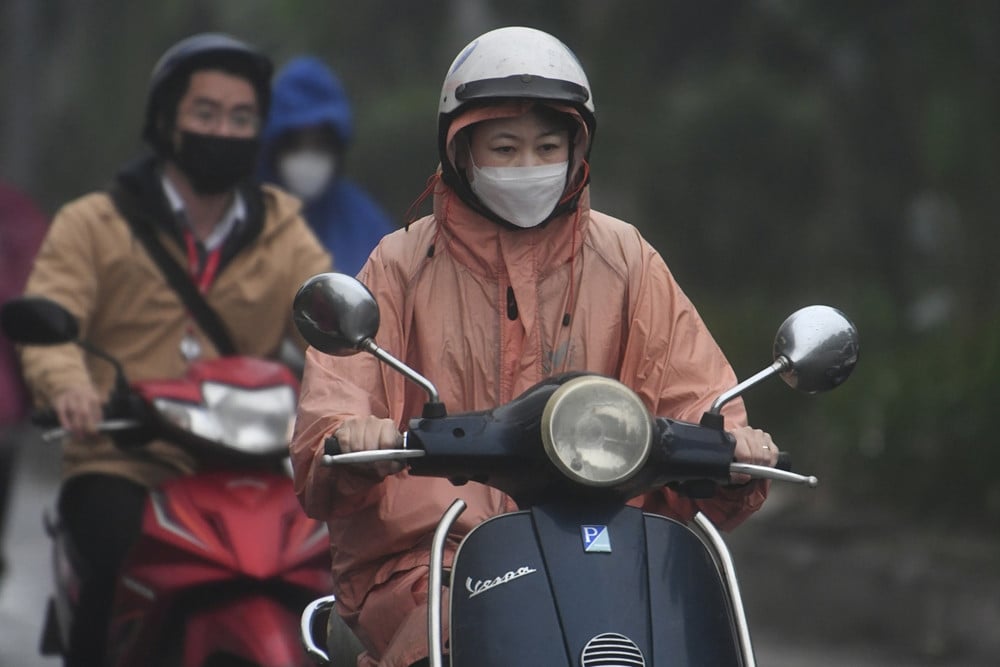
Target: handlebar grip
[
  {"x": 331, "y": 446},
  {"x": 784, "y": 461},
  {"x": 45, "y": 418}
]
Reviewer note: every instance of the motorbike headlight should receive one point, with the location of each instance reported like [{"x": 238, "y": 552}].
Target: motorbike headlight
[
  {"x": 596, "y": 431},
  {"x": 255, "y": 421}
]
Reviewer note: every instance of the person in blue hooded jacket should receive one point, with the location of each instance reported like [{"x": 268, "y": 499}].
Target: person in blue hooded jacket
[{"x": 304, "y": 142}]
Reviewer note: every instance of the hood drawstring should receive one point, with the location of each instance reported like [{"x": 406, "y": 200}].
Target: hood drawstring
[
  {"x": 580, "y": 184},
  {"x": 576, "y": 231},
  {"x": 432, "y": 181},
  {"x": 439, "y": 224},
  {"x": 572, "y": 268}
]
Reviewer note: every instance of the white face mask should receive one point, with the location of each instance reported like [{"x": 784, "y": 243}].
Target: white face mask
[
  {"x": 523, "y": 196},
  {"x": 307, "y": 172}
]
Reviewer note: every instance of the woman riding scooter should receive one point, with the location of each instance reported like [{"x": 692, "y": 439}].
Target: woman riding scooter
[{"x": 511, "y": 279}]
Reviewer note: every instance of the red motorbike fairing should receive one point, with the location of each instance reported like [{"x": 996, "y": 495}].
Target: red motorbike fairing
[
  {"x": 242, "y": 372},
  {"x": 232, "y": 550}
]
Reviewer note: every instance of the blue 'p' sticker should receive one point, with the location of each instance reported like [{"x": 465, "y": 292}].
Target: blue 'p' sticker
[{"x": 596, "y": 539}]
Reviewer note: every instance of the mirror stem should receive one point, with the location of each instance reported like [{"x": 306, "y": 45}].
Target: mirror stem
[
  {"x": 780, "y": 364},
  {"x": 121, "y": 384},
  {"x": 368, "y": 345}
]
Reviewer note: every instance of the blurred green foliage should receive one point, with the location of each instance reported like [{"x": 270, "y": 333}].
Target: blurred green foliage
[{"x": 777, "y": 152}]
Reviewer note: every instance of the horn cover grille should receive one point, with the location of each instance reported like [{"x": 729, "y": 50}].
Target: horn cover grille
[{"x": 611, "y": 649}]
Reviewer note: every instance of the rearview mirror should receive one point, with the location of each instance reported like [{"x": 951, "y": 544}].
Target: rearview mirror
[
  {"x": 338, "y": 315},
  {"x": 335, "y": 313},
  {"x": 35, "y": 320},
  {"x": 821, "y": 347},
  {"x": 815, "y": 350}
]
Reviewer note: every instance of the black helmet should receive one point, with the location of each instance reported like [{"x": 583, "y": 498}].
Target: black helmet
[{"x": 172, "y": 71}]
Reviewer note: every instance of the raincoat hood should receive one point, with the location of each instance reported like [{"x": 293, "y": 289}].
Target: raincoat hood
[
  {"x": 307, "y": 93},
  {"x": 345, "y": 218},
  {"x": 454, "y": 177}
]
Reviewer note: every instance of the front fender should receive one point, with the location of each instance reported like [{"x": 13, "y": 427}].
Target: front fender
[{"x": 255, "y": 628}]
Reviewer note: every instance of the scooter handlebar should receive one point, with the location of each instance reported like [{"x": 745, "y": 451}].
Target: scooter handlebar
[
  {"x": 106, "y": 426},
  {"x": 45, "y": 419},
  {"x": 372, "y": 456},
  {"x": 333, "y": 455}
]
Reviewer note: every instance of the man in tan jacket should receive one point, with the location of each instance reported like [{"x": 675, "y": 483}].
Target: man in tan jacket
[
  {"x": 513, "y": 278},
  {"x": 245, "y": 247}
]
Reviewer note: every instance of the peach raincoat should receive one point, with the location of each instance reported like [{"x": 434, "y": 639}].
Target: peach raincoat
[{"x": 486, "y": 312}]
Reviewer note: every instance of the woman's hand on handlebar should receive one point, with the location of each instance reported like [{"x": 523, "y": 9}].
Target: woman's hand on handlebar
[
  {"x": 359, "y": 434},
  {"x": 79, "y": 410},
  {"x": 753, "y": 446}
]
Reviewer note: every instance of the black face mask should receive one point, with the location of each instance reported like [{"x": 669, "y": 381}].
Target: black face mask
[{"x": 215, "y": 164}]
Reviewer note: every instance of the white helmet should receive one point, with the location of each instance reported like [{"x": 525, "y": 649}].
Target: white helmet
[
  {"x": 511, "y": 63},
  {"x": 515, "y": 62}
]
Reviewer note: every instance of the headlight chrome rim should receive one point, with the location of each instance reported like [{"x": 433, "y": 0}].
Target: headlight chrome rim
[{"x": 579, "y": 397}]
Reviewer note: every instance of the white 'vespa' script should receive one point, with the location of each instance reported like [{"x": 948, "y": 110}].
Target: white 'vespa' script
[{"x": 484, "y": 585}]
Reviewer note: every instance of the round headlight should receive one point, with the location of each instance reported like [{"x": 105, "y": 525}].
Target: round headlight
[{"x": 596, "y": 431}]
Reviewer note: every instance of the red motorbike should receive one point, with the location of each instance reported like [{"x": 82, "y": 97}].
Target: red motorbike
[{"x": 226, "y": 559}]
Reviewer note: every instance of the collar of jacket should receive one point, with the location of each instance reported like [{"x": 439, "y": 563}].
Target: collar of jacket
[
  {"x": 138, "y": 194},
  {"x": 496, "y": 252}
]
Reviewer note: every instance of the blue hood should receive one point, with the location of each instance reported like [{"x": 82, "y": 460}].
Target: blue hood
[
  {"x": 345, "y": 218},
  {"x": 305, "y": 92}
]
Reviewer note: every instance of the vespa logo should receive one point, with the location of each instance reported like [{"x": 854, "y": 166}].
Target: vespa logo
[
  {"x": 596, "y": 539},
  {"x": 482, "y": 586}
]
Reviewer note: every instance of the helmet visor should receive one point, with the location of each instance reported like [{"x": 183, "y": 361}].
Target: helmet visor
[{"x": 523, "y": 86}]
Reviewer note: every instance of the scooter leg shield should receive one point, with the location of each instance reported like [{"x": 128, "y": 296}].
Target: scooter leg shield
[{"x": 539, "y": 587}]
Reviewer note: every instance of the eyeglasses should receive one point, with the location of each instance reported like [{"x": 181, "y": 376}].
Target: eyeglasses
[{"x": 211, "y": 117}]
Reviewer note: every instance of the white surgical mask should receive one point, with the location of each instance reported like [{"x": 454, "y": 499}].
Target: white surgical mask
[
  {"x": 306, "y": 172},
  {"x": 523, "y": 196}
]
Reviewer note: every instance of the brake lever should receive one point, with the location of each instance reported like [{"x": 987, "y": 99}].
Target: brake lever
[{"x": 767, "y": 472}]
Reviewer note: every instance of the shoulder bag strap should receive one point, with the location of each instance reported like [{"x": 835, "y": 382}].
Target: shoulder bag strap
[{"x": 179, "y": 280}]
